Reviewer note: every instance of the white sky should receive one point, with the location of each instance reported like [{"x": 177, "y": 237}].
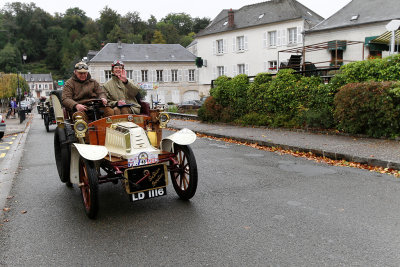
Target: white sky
[{"x": 160, "y": 8}]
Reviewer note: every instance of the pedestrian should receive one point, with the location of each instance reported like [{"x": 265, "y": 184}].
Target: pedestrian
[
  {"x": 79, "y": 89},
  {"x": 121, "y": 92},
  {"x": 13, "y": 107}
]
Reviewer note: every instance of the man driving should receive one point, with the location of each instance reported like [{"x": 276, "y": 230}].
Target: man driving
[{"x": 79, "y": 89}]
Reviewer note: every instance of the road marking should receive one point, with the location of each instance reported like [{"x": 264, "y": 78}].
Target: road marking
[{"x": 2, "y": 155}]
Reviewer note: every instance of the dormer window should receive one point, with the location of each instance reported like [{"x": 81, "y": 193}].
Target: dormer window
[
  {"x": 225, "y": 23},
  {"x": 354, "y": 17},
  {"x": 262, "y": 15}
]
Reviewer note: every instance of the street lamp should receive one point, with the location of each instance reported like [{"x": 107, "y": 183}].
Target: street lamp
[{"x": 21, "y": 112}]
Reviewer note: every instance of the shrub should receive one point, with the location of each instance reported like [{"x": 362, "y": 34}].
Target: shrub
[
  {"x": 210, "y": 110},
  {"x": 256, "y": 119},
  {"x": 370, "y": 108}
]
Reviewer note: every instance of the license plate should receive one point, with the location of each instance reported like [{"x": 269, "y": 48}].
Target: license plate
[
  {"x": 146, "y": 181},
  {"x": 149, "y": 194}
]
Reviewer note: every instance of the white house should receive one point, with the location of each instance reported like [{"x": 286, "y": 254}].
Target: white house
[
  {"x": 167, "y": 71},
  {"x": 247, "y": 40},
  {"x": 360, "y": 22},
  {"x": 39, "y": 84}
]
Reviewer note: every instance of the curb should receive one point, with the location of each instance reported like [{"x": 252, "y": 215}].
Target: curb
[{"x": 317, "y": 152}]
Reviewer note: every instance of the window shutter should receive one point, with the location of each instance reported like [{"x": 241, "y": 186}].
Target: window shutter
[
  {"x": 214, "y": 43},
  {"x": 139, "y": 75},
  {"x": 102, "y": 76},
  {"x": 154, "y": 76},
  {"x": 196, "y": 75},
  {"x": 246, "y": 69},
  {"x": 265, "y": 40},
  {"x": 299, "y": 35},
  {"x": 234, "y": 44},
  {"x": 234, "y": 69},
  {"x": 169, "y": 76},
  {"x": 215, "y": 73},
  {"x": 283, "y": 36},
  {"x": 180, "y": 75},
  {"x": 186, "y": 75},
  {"x": 265, "y": 66},
  {"x": 225, "y": 44},
  {"x": 226, "y": 70},
  {"x": 246, "y": 46},
  {"x": 278, "y": 38}
]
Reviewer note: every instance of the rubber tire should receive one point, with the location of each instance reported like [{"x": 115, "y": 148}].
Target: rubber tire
[
  {"x": 62, "y": 154},
  {"x": 90, "y": 187},
  {"x": 46, "y": 122},
  {"x": 1, "y": 135},
  {"x": 185, "y": 157}
]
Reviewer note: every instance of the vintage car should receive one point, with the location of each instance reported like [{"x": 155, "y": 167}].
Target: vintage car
[
  {"x": 48, "y": 115},
  {"x": 127, "y": 149},
  {"x": 2, "y": 126}
]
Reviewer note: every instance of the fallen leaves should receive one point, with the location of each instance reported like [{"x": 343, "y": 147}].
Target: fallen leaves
[{"x": 6, "y": 209}]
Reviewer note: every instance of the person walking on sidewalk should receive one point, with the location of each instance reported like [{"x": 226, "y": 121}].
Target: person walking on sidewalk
[
  {"x": 79, "y": 89},
  {"x": 121, "y": 92}
]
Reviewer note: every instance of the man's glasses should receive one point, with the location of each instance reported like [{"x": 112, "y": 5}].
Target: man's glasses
[{"x": 79, "y": 67}]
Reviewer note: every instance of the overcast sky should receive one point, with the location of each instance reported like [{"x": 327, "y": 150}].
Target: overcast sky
[{"x": 160, "y": 8}]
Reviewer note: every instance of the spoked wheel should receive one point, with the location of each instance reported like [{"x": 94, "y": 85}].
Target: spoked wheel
[
  {"x": 89, "y": 184},
  {"x": 184, "y": 176},
  {"x": 46, "y": 122}
]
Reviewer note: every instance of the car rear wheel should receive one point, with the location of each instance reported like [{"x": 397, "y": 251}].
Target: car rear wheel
[
  {"x": 46, "y": 122},
  {"x": 1, "y": 135},
  {"x": 184, "y": 176},
  {"x": 89, "y": 185},
  {"x": 62, "y": 154}
]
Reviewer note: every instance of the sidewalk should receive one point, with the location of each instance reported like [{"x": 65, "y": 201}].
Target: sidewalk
[
  {"x": 13, "y": 126},
  {"x": 374, "y": 152}
]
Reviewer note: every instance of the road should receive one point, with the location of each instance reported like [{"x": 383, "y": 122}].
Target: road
[{"x": 252, "y": 208}]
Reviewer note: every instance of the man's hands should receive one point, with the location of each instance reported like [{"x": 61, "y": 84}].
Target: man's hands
[
  {"x": 80, "y": 107},
  {"x": 121, "y": 102},
  {"x": 104, "y": 101}
]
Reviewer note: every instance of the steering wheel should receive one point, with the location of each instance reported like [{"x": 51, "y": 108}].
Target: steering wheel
[{"x": 94, "y": 106}]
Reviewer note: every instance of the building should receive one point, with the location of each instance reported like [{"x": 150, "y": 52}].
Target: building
[
  {"x": 39, "y": 84},
  {"x": 167, "y": 71},
  {"x": 353, "y": 29},
  {"x": 247, "y": 40}
]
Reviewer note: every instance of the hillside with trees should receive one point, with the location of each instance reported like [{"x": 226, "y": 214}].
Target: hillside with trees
[{"x": 53, "y": 43}]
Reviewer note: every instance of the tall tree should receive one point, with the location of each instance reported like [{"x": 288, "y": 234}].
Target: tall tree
[
  {"x": 108, "y": 19},
  {"x": 158, "y": 38},
  {"x": 181, "y": 21}
]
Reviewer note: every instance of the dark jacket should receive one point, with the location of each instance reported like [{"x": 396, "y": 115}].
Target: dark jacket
[{"x": 76, "y": 91}]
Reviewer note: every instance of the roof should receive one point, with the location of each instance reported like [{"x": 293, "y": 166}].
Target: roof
[
  {"x": 37, "y": 77},
  {"x": 143, "y": 53},
  {"x": 260, "y": 14},
  {"x": 362, "y": 12}
]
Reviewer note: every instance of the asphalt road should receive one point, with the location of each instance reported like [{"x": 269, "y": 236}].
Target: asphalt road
[{"x": 252, "y": 208}]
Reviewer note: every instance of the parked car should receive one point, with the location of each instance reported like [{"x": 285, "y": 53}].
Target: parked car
[
  {"x": 190, "y": 104},
  {"x": 26, "y": 105},
  {"x": 2, "y": 126}
]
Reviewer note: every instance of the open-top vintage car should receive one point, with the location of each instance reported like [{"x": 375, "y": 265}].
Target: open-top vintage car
[
  {"x": 48, "y": 115},
  {"x": 126, "y": 149}
]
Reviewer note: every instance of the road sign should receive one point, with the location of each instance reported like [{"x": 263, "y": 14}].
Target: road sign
[{"x": 60, "y": 82}]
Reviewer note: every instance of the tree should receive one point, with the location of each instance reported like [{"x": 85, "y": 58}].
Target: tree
[
  {"x": 181, "y": 21},
  {"x": 158, "y": 38},
  {"x": 186, "y": 40},
  {"x": 169, "y": 32},
  {"x": 108, "y": 19},
  {"x": 200, "y": 23},
  {"x": 10, "y": 59}
]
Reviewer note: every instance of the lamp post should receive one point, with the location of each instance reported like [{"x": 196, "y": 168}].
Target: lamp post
[{"x": 21, "y": 112}]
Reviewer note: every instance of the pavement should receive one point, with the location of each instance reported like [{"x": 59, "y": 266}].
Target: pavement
[
  {"x": 13, "y": 126},
  {"x": 374, "y": 152}
]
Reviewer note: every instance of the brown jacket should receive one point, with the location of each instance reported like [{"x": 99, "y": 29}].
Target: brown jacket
[{"x": 75, "y": 91}]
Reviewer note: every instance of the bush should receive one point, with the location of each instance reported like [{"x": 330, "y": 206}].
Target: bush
[
  {"x": 256, "y": 119},
  {"x": 371, "y": 108},
  {"x": 210, "y": 110}
]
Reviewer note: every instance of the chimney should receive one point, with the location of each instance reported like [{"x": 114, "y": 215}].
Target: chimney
[
  {"x": 119, "y": 43},
  {"x": 231, "y": 18}
]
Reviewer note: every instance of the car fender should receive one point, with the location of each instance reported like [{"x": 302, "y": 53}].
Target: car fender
[
  {"x": 182, "y": 137},
  {"x": 89, "y": 152}
]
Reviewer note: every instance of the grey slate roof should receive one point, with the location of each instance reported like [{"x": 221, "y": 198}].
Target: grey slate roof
[
  {"x": 143, "y": 53},
  {"x": 369, "y": 11},
  {"x": 37, "y": 77},
  {"x": 249, "y": 16}
]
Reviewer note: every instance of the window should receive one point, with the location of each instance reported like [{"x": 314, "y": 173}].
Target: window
[
  {"x": 220, "y": 46},
  {"x": 159, "y": 75},
  {"x": 375, "y": 54},
  {"x": 272, "y": 38},
  {"x": 107, "y": 74},
  {"x": 240, "y": 43},
  {"x": 292, "y": 35},
  {"x": 221, "y": 70},
  {"x": 336, "y": 60},
  {"x": 144, "y": 76},
  {"x": 191, "y": 76},
  {"x": 174, "y": 75},
  {"x": 45, "y": 86},
  {"x": 40, "y": 86},
  {"x": 129, "y": 74},
  {"x": 272, "y": 65},
  {"x": 241, "y": 69}
]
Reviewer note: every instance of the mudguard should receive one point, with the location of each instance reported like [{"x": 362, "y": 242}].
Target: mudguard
[
  {"x": 182, "y": 137},
  {"x": 89, "y": 152}
]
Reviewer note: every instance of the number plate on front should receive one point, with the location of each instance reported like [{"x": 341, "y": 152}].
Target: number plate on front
[{"x": 146, "y": 181}]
